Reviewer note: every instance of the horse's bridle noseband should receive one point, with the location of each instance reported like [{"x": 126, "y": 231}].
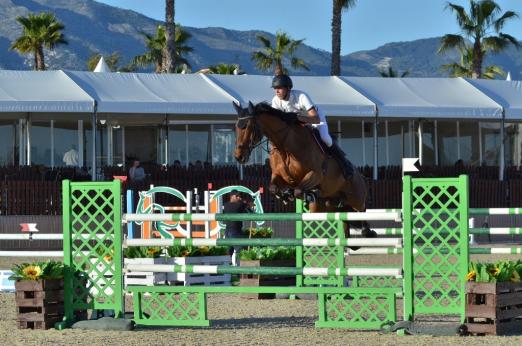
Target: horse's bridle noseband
[{"x": 256, "y": 131}]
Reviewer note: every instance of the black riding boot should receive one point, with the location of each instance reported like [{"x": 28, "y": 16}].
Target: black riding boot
[{"x": 340, "y": 157}]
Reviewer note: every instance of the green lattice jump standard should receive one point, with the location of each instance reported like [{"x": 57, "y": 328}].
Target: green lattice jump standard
[
  {"x": 437, "y": 208},
  {"x": 92, "y": 231},
  {"x": 338, "y": 307},
  {"x": 317, "y": 256}
]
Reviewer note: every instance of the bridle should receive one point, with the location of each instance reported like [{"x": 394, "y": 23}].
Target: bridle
[{"x": 256, "y": 133}]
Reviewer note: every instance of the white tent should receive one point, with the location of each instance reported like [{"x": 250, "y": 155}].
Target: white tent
[
  {"x": 102, "y": 66},
  {"x": 42, "y": 92},
  {"x": 148, "y": 93},
  {"x": 507, "y": 93},
  {"x": 426, "y": 97},
  {"x": 331, "y": 94}
]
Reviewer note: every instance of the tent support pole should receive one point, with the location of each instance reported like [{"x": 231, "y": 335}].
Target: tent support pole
[
  {"x": 419, "y": 129},
  {"x": 502, "y": 147},
  {"x": 94, "y": 120}
]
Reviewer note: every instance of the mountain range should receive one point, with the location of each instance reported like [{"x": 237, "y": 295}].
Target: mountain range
[{"x": 93, "y": 27}]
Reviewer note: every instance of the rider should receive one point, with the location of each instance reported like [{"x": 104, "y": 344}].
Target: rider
[{"x": 297, "y": 101}]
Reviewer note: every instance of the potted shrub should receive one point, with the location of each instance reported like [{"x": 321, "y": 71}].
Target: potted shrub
[
  {"x": 258, "y": 232},
  {"x": 494, "y": 298},
  {"x": 203, "y": 255},
  {"x": 38, "y": 294},
  {"x": 267, "y": 257}
]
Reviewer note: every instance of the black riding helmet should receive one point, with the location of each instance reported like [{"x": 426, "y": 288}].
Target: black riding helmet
[{"x": 282, "y": 81}]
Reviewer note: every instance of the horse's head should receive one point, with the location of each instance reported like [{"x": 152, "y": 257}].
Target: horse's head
[{"x": 248, "y": 133}]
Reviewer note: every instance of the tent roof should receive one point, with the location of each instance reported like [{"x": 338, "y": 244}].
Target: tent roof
[
  {"x": 152, "y": 93},
  {"x": 41, "y": 91},
  {"x": 331, "y": 94},
  {"x": 426, "y": 97},
  {"x": 507, "y": 93},
  {"x": 197, "y": 94}
]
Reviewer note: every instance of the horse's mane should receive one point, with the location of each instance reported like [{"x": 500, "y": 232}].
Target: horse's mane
[{"x": 264, "y": 107}]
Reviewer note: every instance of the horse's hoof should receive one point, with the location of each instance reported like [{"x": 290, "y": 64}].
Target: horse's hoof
[
  {"x": 368, "y": 233},
  {"x": 354, "y": 248}
]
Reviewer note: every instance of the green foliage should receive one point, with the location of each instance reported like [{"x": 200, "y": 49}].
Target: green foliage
[
  {"x": 156, "y": 46},
  {"x": 391, "y": 73},
  {"x": 142, "y": 252},
  {"x": 258, "y": 232},
  {"x": 272, "y": 56},
  {"x": 39, "y": 31},
  {"x": 50, "y": 270},
  {"x": 196, "y": 251},
  {"x": 268, "y": 253},
  {"x": 223, "y": 68},
  {"x": 481, "y": 34},
  {"x": 501, "y": 271}
]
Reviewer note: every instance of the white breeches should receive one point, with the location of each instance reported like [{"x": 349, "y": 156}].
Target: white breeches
[{"x": 323, "y": 131}]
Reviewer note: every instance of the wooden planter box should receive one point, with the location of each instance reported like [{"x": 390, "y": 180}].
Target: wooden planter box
[
  {"x": 188, "y": 279},
  {"x": 494, "y": 308},
  {"x": 266, "y": 280},
  {"x": 39, "y": 303}
]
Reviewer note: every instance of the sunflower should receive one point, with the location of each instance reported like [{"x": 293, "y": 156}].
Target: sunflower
[
  {"x": 152, "y": 251},
  {"x": 495, "y": 271},
  {"x": 32, "y": 272},
  {"x": 185, "y": 253},
  {"x": 515, "y": 277},
  {"x": 107, "y": 258},
  {"x": 471, "y": 275}
]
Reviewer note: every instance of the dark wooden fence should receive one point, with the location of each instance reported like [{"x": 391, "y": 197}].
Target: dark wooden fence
[{"x": 34, "y": 191}]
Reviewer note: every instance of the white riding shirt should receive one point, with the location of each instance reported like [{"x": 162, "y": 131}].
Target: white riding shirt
[{"x": 299, "y": 102}]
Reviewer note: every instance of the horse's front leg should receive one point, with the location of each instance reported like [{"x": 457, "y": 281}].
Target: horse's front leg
[{"x": 279, "y": 189}]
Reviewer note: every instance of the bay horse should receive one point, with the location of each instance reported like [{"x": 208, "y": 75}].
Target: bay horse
[{"x": 298, "y": 163}]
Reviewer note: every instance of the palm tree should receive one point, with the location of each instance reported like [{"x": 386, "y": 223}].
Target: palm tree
[
  {"x": 156, "y": 48},
  {"x": 273, "y": 56},
  {"x": 40, "y": 31},
  {"x": 465, "y": 67},
  {"x": 169, "y": 64},
  {"x": 479, "y": 26},
  {"x": 224, "y": 69},
  {"x": 338, "y": 7},
  {"x": 391, "y": 73}
]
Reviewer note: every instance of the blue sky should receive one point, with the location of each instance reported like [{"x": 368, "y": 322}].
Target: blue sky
[{"x": 370, "y": 24}]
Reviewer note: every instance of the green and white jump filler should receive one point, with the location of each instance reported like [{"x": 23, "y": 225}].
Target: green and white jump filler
[{"x": 434, "y": 247}]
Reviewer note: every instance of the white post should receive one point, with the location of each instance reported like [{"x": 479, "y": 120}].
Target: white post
[
  {"x": 52, "y": 143},
  {"x": 123, "y": 146},
  {"x": 458, "y": 141},
  {"x": 189, "y": 210},
  {"x": 480, "y": 144},
  {"x": 436, "y": 142},
  {"x": 28, "y": 126},
  {"x": 363, "y": 143},
  {"x": 81, "y": 162},
  {"x": 375, "y": 151},
  {"x": 420, "y": 141},
  {"x": 502, "y": 148},
  {"x": 206, "y": 196},
  {"x": 472, "y": 236},
  {"x": 387, "y": 143}
]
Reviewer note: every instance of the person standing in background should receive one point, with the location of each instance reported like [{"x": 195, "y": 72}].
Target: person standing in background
[{"x": 233, "y": 229}]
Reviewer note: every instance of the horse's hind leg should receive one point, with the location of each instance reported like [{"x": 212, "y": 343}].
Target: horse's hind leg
[{"x": 356, "y": 192}]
